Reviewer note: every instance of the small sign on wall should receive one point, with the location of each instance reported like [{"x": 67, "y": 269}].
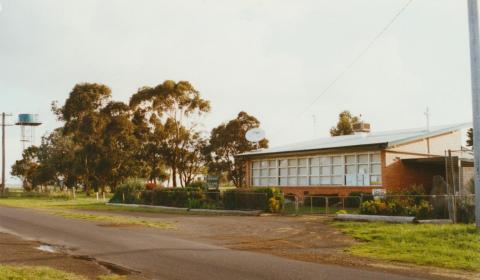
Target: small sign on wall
[{"x": 379, "y": 193}]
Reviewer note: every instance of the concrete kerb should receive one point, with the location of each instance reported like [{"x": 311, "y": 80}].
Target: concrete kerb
[
  {"x": 375, "y": 218},
  {"x": 182, "y": 209}
]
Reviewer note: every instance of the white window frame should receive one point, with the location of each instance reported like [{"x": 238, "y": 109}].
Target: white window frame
[{"x": 293, "y": 180}]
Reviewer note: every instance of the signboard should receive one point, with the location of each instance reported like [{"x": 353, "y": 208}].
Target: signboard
[
  {"x": 213, "y": 182},
  {"x": 379, "y": 193}
]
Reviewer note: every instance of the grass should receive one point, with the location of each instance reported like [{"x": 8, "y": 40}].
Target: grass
[
  {"x": 115, "y": 220},
  {"x": 82, "y": 202},
  {"x": 8, "y": 272},
  {"x": 446, "y": 246},
  {"x": 60, "y": 207},
  {"x": 35, "y": 273}
]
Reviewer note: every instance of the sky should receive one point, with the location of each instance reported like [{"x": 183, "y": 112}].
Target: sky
[{"x": 270, "y": 58}]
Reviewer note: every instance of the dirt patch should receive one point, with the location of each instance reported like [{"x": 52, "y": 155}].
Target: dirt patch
[
  {"x": 15, "y": 251},
  {"x": 305, "y": 238}
]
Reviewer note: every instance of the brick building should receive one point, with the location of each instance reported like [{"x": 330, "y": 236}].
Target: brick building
[{"x": 362, "y": 162}]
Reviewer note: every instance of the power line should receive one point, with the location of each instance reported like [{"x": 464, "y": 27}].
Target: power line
[{"x": 359, "y": 56}]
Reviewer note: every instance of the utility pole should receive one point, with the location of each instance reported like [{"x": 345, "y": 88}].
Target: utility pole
[
  {"x": 475, "y": 73},
  {"x": 3, "y": 153},
  {"x": 4, "y": 125}
]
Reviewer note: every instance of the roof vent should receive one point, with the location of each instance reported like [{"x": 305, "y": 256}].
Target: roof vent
[{"x": 361, "y": 128}]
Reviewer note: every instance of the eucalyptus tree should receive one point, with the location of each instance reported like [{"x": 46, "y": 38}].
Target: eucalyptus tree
[
  {"x": 172, "y": 109},
  {"x": 345, "y": 124},
  {"x": 228, "y": 140}
]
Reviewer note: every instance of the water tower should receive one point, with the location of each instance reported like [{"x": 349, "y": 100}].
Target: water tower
[{"x": 28, "y": 123}]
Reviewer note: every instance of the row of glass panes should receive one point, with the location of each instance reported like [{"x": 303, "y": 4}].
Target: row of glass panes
[{"x": 316, "y": 171}]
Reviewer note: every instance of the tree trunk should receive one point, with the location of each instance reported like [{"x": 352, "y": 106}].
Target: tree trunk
[{"x": 174, "y": 176}]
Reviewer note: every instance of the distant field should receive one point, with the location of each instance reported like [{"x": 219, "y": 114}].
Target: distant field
[{"x": 447, "y": 246}]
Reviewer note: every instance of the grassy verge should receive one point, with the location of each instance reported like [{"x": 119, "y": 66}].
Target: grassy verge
[
  {"x": 82, "y": 202},
  {"x": 8, "y": 272},
  {"x": 60, "y": 207},
  {"x": 446, "y": 246},
  {"x": 35, "y": 273}
]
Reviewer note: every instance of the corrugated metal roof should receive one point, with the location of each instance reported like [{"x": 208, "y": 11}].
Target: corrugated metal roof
[{"x": 389, "y": 138}]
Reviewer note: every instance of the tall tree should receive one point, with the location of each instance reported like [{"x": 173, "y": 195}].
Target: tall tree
[
  {"x": 171, "y": 109},
  {"x": 103, "y": 133},
  {"x": 119, "y": 146},
  {"x": 149, "y": 150},
  {"x": 228, "y": 140},
  {"x": 26, "y": 168},
  {"x": 345, "y": 124},
  {"x": 84, "y": 123}
]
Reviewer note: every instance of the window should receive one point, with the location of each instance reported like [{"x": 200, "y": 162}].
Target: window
[
  {"x": 265, "y": 173},
  {"x": 362, "y": 169}
]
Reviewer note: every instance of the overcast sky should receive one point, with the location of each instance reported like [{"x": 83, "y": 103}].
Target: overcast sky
[{"x": 271, "y": 58}]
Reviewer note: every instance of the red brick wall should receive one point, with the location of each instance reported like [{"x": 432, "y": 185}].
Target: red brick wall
[
  {"x": 398, "y": 175},
  {"x": 326, "y": 190}
]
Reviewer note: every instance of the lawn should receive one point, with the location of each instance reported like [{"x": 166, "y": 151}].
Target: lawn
[{"x": 447, "y": 246}]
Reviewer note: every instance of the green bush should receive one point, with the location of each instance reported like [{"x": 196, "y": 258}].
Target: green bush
[
  {"x": 197, "y": 185},
  {"x": 465, "y": 212},
  {"x": 397, "y": 207},
  {"x": 354, "y": 199},
  {"x": 129, "y": 192},
  {"x": 181, "y": 197},
  {"x": 251, "y": 199}
]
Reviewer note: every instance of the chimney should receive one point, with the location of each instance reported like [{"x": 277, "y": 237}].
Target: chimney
[{"x": 361, "y": 128}]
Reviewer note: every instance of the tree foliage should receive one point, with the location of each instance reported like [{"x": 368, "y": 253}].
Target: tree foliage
[
  {"x": 345, "y": 124},
  {"x": 171, "y": 109},
  {"x": 228, "y": 140},
  {"x": 470, "y": 137},
  {"x": 103, "y": 143}
]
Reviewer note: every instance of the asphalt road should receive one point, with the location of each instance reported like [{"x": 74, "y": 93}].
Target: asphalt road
[{"x": 158, "y": 255}]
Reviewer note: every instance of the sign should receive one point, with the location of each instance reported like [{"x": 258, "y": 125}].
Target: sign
[
  {"x": 379, "y": 193},
  {"x": 213, "y": 182}
]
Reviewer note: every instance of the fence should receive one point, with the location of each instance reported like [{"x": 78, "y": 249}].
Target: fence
[
  {"x": 458, "y": 208},
  {"x": 229, "y": 200}
]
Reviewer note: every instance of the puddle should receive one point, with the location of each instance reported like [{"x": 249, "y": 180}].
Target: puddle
[{"x": 47, "y": 248}]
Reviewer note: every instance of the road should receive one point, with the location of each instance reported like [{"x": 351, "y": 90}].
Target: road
[{"x": 158, "y": 255}]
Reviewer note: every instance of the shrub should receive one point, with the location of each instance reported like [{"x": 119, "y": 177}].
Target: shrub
[
  {"x": 342, "y": 212},
  {"x": 151, "y": 186},
  {"x": 397, "y": 207},
  {"x": 128, "y": 192},
  {"x": 251, "y": 199},
  {"x": 354, "y": 199},
  {"x": 465, "y": 212},
  {"x": 274, "y": 205},
  {"x": 197, "y": 185}
]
